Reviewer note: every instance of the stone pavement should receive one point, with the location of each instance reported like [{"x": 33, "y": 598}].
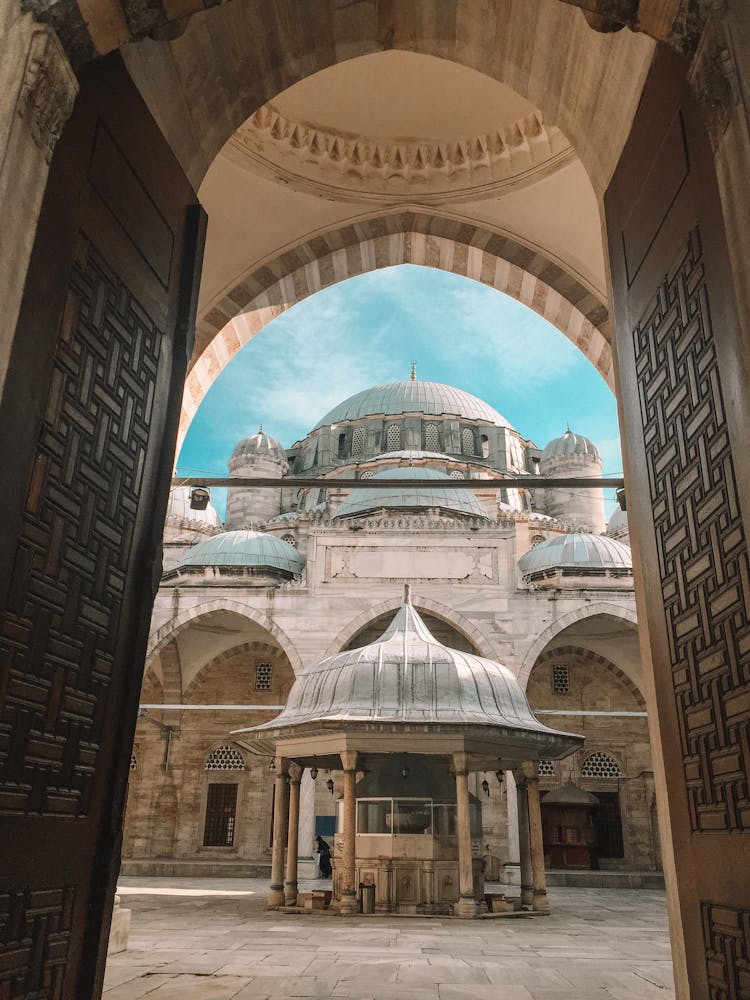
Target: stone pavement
[{"x": 211, "y": 939}]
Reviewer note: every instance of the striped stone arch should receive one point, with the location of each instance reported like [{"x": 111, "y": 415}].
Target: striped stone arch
[
  {"x": 461, "y": 624},
  {"x": 616, "y": 611},
  {"x": 265, "y": 649},
  {"x": 171, "y": 629},
  {"x": 579, "y": 651},
  {"x": 404, "y": 237}
]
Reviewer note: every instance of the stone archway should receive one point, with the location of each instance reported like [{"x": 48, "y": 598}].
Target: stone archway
[{"x": 410, "y": 236}]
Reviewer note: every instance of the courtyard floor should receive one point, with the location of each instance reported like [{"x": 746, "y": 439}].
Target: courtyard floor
[{"x": 212, "y": 939}]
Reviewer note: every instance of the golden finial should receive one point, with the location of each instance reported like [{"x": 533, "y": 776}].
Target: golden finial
[{"x": 414, "y": 371}]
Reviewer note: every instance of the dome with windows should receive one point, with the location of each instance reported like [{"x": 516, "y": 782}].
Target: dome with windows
[
  {"x": 250, "y": 549},
  {"x": 413, "y": 396},
  {"x": 179, "y": 509},
  {"x": 579, "y": 552},
  {"x": 452, "y": 501},
  {"x": 260, "y": 445},
  {"x": 569, "y": 445}
]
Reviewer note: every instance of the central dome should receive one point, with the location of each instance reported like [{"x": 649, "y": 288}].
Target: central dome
[{"x": 413, "y": 396}]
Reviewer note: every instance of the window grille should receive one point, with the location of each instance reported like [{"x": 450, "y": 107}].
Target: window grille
[
  {"x": 290, "y": 540},
  {"x": 221, "y": 813},
  {"x": 133, "y": 763},
  {"x": 467, "y": 441},
  {"x": 600, "y": 764},
  {"x": 546, "y": 769},
  {"x": 225, "y": 758},
  {"x": 368, "y": 474},
  {"x": 358, "y": 441},
  {"x": 537, "y": 540},
  {"x": 393, "y": 437},
  {"x": 457, "y": 474},
  {"x": 263, "y": 675},
  {"x": 560, "y": 678},
  {"x": 431, "y": 437}
]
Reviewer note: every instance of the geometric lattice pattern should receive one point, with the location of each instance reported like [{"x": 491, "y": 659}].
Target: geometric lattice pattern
[
  {"x": 726, "y": 932},
  {"x": 34, "y": 941},
  {"x": 61, "y": 627},
  {"x": 467, "y": 441},
  {"x": 703, "y": 559},
  {"x": 225, "y": 758},
  {"x": 456, "y": 474},
  {"x": 358, "y": 441},
  {"x": 546, "y": 769},
  {"x": 368, "y": 474},
  {"x": 263, "y": 676},
  {"x": 560, "y": 678},
  {"x": 290, "y": 540},
  {"x": 431, "y": 437},
  {"x": 601, "y": 765},
  {"x": 393, "y": 437}
]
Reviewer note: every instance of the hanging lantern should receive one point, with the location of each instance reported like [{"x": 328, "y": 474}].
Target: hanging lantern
[
  {"x": 486, "y": 787},
  {"x": 272, "y": 765},
  {"x": 405, "y": 770},
  {"x": 313, "y": 773},
  {"x": 499, "y": 774},
  {"x": 329, "y": 785},
  {"x": 199, "y": 498}
]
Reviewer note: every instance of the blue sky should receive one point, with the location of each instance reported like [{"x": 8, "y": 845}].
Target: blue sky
[{"x": 368, "y": 330}]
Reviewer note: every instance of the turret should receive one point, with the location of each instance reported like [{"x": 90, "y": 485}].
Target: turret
[
  {"x": 574, "y": 456},
  {"x": 257, "y": 457}
]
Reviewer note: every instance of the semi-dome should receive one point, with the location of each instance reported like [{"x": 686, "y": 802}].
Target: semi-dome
[
  {"x": 457, "y": 501},
  {"x": 245, "y": 548},
  {"x": 407, "y": 676},
  {"x": 576, "y": 551},
  {"x": 413, "y": 396},
  {"x": 178, "y": 507},
  {"x": 260, "y": 444},
  {"x": 569, "y": 444}
]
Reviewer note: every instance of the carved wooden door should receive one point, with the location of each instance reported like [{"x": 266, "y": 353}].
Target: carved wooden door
[
  {"x": 684, "y": 397},
  {"x": 87, "y": 431}
]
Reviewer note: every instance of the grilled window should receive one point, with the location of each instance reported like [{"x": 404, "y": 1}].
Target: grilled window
[
  {"x": 225, "y": 758},
  {"x": 431, "y": 437},
  {"x": 290, "y": 540},
  {"x": 263, "y": 676},
  {"x": 358, "y": 441},
  {"x": 600, "y": 764},
  {"x": 393, "y": 437},
  {"x": 546, "y": 769},
  {"x": 457, "y": 474},
  {"x": 221, "y": 815},
  {"x": 467, "y": 441},
  {"x": 560, "y": 678}
]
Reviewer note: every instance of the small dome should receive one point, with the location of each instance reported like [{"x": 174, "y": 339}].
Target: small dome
[
  {"x": 259, "y": 444},
  {"x": 395, "y": 398},
  {"x": 618, "y": 523},
  {"x": 179, "y": 507},
  {"x": 457, "y": 501},
  {"x": 569, "y": 444},
  {"x": 245, "y": 548},
  {"x": 578, "y": 550}
]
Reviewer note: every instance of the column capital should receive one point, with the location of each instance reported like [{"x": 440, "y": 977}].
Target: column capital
[
  {"x": 460, "y": 763},
  {"x": 295, "y": 773},
  {"x": 349, "y": 760},
  {"x": 530, "y": 770},
  {"x": 281, "y": 766}
]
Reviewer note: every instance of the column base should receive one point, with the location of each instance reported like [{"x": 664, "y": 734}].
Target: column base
[
  {"x": 527, "y": 895},
  {"x": 540, "y": 903},
  {"x": 275, "y": 897},
  {"x": 466, "y": 908},
  {"x": 290, "y": 893},
  {"x": 348, "y": 905}
]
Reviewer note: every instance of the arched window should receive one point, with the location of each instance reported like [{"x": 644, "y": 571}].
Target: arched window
[
  {"x": 290, "y": 540},
  {"x": 341, "y": 449},
  {"x": 358, "y": 441},
  {"x": 560, "y": 678},
  {"x": 600, "y": 764},
  {"x": 225, "y": 758},
  {"x": 263, "y": 675},
  {"x": 367, "y": 474},
  {"x": 431, "y": 437},
  {"x": 457, "y": 474},
  {"x": 467, "y": 441},
  {"x": 485, "y": 446},
  {"x": 546, "y": 769},
  {"x": 393, "y": 437}
]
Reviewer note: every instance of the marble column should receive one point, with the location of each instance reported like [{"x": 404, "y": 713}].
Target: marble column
[
  {"x": 511, "y": 806},
  {"x": 466, "y": 905},
  {"x": 524, "y": 842},
  {"x": 276, "y": 895},
  {"x": 348, "y": 904},
  {"x": 290, "y": 882},
  {"x": 37, "y": 91},
  {"x": 306, "y": 867},
  {"x": 540, "y": 903}
]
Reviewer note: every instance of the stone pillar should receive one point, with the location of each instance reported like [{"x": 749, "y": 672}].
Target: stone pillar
[
  {"x": 306, "y": 867},
  {"x": 540, "y": 902},
  {"x": 524, "y": 842},
  {"x": 348, "y": 903},
  {"x": 37, "y": 91},
  {"x": 290, "y": 882},
  {"x": 466, "y": 905},
  {"x": 511, "y": 805},
  {"x": 276, "y": 895}
]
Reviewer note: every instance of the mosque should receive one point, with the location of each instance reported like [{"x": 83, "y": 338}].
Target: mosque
[{"x": 534, "y": 580}]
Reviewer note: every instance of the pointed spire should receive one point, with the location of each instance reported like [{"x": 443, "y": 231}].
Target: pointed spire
[
  {"x": 567, "y": 427},
  {"x": 260, "y": 429},
  {"x": 414, "y": 371}
]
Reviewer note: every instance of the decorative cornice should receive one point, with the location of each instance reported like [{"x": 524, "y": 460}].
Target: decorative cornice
[
  {"x": 48, "y": 90},
  {"x": 322, "y": 158}
]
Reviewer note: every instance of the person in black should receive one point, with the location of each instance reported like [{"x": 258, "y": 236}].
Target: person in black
[{"x": 325, "y": 857}]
